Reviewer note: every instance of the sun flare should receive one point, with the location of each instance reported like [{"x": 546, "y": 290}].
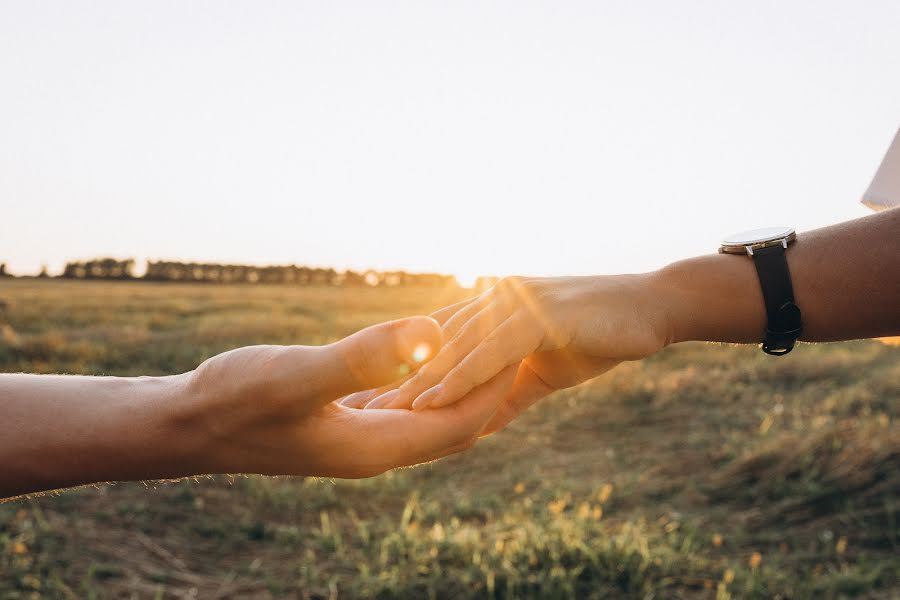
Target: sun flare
[
  {"x": 421, "y": 352},
  {"x": 467, "y": 277}
]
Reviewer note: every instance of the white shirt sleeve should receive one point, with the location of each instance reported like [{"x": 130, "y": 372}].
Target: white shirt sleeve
[{"x": 884, "y": 191}]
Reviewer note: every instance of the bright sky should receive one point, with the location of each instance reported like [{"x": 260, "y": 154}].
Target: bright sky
[{"x": 466, "y": 137}]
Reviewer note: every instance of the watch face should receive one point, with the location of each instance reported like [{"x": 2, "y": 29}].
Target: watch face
[{"x": 757, "y": 236}]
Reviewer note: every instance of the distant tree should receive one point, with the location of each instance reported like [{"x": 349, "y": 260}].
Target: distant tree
[
  {"x": 153, "y": 271},
  {"x": 353, "y": 279},
  {"x": 3, "y": 272},
  {"x": 111, "y": 268},
  {"x": 94, "y": 269},
  {"x": 43, "y": 274},
  {"x": 75, "y": 270},
  {"x": 128, "y": 268},
  {"x": 108, "y": 268},
  {"x": 239, "y": 274}
]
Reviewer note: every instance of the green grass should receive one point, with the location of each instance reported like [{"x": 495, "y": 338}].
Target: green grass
[{"x": 707, "y": 471}]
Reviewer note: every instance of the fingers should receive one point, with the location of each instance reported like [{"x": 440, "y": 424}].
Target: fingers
[
  {"x": 455, "y": 322},
  {"x": 360, "y": 399},
  {"x": 450, "y": 355},
  {"x": 385, "y": 400},
  {"x": 442, "y": 315},
  {"x": 501, "y": 298},
  {"x": 374, "y": 357},
  {"x": 508, "y": 344},
  {"x": 385, "y": 439},
  {"x": 464, "y": 324}
]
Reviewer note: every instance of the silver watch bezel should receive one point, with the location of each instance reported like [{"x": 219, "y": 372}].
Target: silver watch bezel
[{"x": 747, "y": 242}]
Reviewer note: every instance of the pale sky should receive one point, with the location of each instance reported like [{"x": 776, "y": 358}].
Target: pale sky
[{"x": 463, "y": 137}]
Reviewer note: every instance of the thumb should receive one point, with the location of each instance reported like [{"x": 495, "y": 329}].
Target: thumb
[{"x": 377, "y": 355}]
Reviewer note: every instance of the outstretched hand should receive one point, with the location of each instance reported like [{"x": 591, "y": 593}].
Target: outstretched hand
[
  {"x": 259, "y": 409},
  {"x": 272, "y": 409}
]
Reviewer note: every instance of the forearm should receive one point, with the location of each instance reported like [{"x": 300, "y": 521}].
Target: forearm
[
  {"x": 61, "y": 431},
  {"x": 846, "y": 282}
]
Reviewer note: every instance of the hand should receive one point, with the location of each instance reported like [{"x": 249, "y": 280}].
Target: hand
[
  {"x": 562, "y": 330},
  {"x": 271, "y": 409}
]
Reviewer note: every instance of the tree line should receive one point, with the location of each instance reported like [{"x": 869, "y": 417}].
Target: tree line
[
  {"x": 117, "y": 269},
  {"x": 124, "y": 269}
]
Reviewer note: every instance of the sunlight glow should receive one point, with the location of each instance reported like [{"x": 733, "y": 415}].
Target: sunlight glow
[
  {"x": 421, "y": 353},
  {"x": 467, "y": 277}
]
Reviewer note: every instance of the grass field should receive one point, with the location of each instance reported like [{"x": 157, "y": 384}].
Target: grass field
[{"x": 706, "y": 471}]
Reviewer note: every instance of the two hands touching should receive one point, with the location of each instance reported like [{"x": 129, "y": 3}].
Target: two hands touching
[
  {"x": 298, "y": 410},
  {"x": 286, "y": 410},
  {"x": 549, "y": 330}
]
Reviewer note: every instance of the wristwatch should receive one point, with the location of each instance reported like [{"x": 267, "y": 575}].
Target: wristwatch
[{"x": 766, "y": 247}]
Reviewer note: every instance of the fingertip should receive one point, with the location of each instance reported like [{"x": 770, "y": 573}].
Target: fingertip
[
  {"x": 428, "y": 398},
  {"x": 382, "y": 400},
  {"x": 356, "y": 399}
]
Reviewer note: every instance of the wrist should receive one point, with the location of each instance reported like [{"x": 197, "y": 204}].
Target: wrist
[
  {"x": 156, "y": 442},
  {"x": 713, "y": 298},
  {"x": 622, "y": 317}
]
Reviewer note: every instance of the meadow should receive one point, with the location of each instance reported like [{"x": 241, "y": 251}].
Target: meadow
[{"x": 707, "y": 471}]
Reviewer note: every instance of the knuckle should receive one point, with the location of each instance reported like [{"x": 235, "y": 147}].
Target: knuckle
[
  {"x": 455, "y": 346},
  {"x": 505, "y": 287},
  {"x": 510, "y": 281}
]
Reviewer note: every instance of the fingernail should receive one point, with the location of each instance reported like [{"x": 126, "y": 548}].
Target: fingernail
[
  {"x": 427, "y": 397},
  {"x": 383, "y": 399},
  {"x": 352, "y": 399}
]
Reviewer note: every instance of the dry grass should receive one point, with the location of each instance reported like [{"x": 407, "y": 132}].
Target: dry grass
[{"x": 706, "y": 471}]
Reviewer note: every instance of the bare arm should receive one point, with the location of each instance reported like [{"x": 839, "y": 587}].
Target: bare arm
[
  {"x": 260, "y": 409},
  {"x": 846, "y": 281},
  {"x": 568, "y": 329},
  {"x": 60, "y": 431}
]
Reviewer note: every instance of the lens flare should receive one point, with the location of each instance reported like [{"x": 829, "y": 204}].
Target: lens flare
[{"x": 421, "y": 352}]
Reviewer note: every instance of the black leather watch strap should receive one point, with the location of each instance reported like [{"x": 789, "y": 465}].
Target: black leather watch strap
[{"x": 784, "y": 319}]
